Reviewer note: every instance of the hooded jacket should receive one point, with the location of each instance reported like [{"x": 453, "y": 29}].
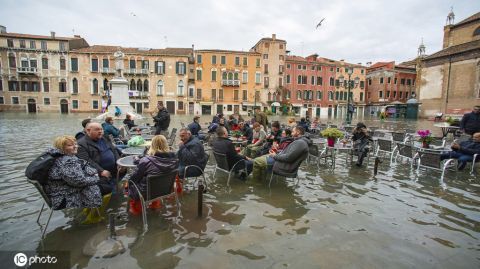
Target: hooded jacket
[
  {"x": 289, "y": 159},
  {"x": 192, "y": 153}
]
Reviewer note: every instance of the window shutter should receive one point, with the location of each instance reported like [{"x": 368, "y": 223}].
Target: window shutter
[
  {"x": 176, "y": 68},
  {"x": 163, "y": 68},
  {"x": 156, "y": 67}
]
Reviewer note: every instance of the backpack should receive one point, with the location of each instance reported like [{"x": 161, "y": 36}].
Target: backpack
[{"x": 38, "y": 169}]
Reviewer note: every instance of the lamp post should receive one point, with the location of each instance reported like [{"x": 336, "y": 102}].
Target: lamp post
[{"x": 349, "y": 84}]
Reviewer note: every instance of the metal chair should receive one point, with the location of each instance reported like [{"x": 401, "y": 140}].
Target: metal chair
[
  {"x": 431, "y": 159},
  {"x": 185, "y": 178},
  {"x": 386, "y": 146},
  {"x": 222, "y": 165},
  {"x": 294, "y": 174},
  {"x": 474, "y": 161},
  {"x": 399, "y": 137},
  {"x": 348, "y": 129},
  {"x": 159, "y": 186},
  {"x": 404, "y": 150}
]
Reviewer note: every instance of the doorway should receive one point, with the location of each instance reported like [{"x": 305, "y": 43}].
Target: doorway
[
  {"x": 32, "y": 106},
  {"x": 64, "y": 106},
  {"x": 171, "y": 107},
  {"x": 191, "y": 108},
  {"x": 206, "y": 110},
  {"x": 139, "y": 108},
  {"x": 219, "y": 109}
]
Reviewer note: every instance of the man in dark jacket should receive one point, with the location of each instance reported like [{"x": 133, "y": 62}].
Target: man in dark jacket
[
  {"x": 191, "y": 152},
  {"x": 99, "y": 153},
  {"x": 470, "y": 122},
  {"x": 274, "y": 136},
  {"x": 223, "y": 145},
  {"x": 83, "y": 132},
  {"x": 246, "y": 130},
  {"x": 195, "y": 128},
  {"x": 162, "y": 119},
  {"x": 464, "y": 151},
  {"x": 294, "y": 154}
]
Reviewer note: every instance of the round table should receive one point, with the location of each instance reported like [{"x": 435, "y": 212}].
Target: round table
[
  {"x": 446, "y": 128},
  {"x": 133, "y": 151},
  {"x": 124, "y": 162}
]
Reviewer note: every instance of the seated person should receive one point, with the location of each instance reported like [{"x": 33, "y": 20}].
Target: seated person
[
  {"x": 232, "y": 123},
  {"x": 291, "y": 123},
  {"x": 259, "y": 137},
  {"x": 190, "y": 152},
  {"x": 225, "y": 146},
  {"x": 110, "y": 129},
  {"x": 274, "y": 136},
  {"x": 361, "y": 141},
  {"x": 261, "y": 163},
  {"x": 216, "y": 118},
  {"x": 83, "y": 132},
  {"x": 72, "y": 182},
  {"x": 464, "y": 151},
  {"x": 221, "y": 122},
  {"x": 293, "y": 155},
  {"x": 159, "y": 159},
  {"x": 246, "y": 130},
  {"x": 195, "y": 128},
  {"x": 129, "y": 122},
  {"x": 304, "y": 124}
]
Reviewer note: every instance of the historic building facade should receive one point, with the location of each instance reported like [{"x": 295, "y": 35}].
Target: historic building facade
[
  {"x": 450, "y": 78},
  {"x": 227, "y": 82}
]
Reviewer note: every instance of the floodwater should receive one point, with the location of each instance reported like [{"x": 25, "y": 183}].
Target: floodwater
[{"x": 345, "y": 218}]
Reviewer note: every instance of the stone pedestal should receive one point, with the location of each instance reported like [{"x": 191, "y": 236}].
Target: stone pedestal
[{"x": 120, "y": 99}]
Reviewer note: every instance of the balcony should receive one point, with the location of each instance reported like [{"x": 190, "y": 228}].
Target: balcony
[
  {"x": 231, "y": 82},
  {"x": 107, "y": 70},
  {"x": 27, "y": 70},
  {"x": 132, "y": 71},
  {"x": 138, "y": 94},
  {"x": 144, "y": 71}
]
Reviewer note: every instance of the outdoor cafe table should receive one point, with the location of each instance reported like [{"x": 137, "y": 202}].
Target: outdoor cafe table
[
  {"x": 446, "y": 128},
  {"x": 133, "y": 151},
  {"x": 339, "y": 147},
  {"x": 127, "y": 162}
]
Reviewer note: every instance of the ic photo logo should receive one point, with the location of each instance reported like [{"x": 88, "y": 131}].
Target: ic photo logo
[{"x": 22, "y": 260}]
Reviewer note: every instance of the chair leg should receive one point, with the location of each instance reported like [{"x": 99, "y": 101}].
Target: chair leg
[
  {"x": 228, "y": 180},
  {"x": 270, "y": 182},
  {"x": 40, "y": 213},
  {"x": 144, "y": 215},
  {"x": 443, "y": 172},
  {"x": 214, "y": 172},
  {"x": 46, "y": 226}
]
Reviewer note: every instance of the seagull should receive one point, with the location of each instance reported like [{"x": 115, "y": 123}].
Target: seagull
[
  {"x": 133, "y": 14},
  {"x": 320, "y": 23}
]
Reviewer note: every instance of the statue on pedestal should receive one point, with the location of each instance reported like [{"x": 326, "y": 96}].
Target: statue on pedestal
[{"x": 119, "y": 63}]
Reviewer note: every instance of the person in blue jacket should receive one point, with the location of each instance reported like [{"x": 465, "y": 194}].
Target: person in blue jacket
[{"x": 464, "y": 151}]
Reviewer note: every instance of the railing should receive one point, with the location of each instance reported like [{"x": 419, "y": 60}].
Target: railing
[
  {"x": 27, "y": 70},
  {"x": 138, "y": 94},
  {"x": 144, "y": 71},
  {"x": 230, "y": 82},
  {"x": 107, "y": 70},
  {"x": 130, "y": 71}
]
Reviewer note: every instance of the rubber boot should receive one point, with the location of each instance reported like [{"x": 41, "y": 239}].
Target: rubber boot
[
  {"x": 93, "y": 213},
  {"x": 135, "y": 207},
  {"x": 155, "y": 204}
]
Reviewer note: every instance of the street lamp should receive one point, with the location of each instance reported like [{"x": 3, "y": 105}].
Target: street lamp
[{"x": 349, "y": 84}]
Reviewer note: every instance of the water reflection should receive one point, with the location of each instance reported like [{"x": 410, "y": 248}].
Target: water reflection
[{"x": 340, "y": 217}]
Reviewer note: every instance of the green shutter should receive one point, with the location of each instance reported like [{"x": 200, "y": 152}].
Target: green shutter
[{"x": 176, "y": 68}]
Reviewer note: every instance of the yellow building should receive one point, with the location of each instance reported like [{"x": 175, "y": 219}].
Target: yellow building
[
  {"x": 226, "y": 81},
  {"x": 33, "y": 71}
]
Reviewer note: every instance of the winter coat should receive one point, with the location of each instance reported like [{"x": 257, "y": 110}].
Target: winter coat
[
  {"x": 225, "y": 146},
  {"x": 89, "y": 151},
  {"x": 360, "y": 140},
  {"x": 109, "y": 129},
  {"x": 162, "y": 119},
  {"x": 192, "y": 153},
  {"x": 130, "y": 123},
  {"x": 292, "y": 156},
  {"x": 151, "y": 165},
  {"x": 72, "y": 183},
  {"x": 469, "y": 147},
  {"x": 470, "y": 123},
  {"x": 247, "y": 132},
  {"x": 194, "y": 128}
]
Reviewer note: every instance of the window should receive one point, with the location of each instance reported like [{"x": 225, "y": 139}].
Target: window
[
  {"x": 280, "y": 82},
  {"x": 370, "y": 81},
  {"x": 244, "y": 95},
  {"x": 1, "y": 100},
  {"x": 235, "y": 95},
  {"x": 43, "y": 45},
  {"x": 74, "y": 104},
  {"x": 22, "y": 44},
  {"x": 139, "y": 85},
  {"x": 257, "y": 62},
  {"x": 312, "y": 80},
  {"x": 62, "y": 64},
  {"x": 132, "y": 64},
  {"x": 32, "y": 44},
  {"x": 214, "y": 95},
  {"x": 381, "y": 80},
  {"x": 337, "y": 95},
  {"x": 401, "y": 94},
  {"x": 46, "y": 85},
  {"x": 62, "y": 46},
  {"x": 389, "y": 79},
  {"x": 160, "y": 88},
  {"x": 319, "y": 95},
  {"x": 180, "y": 88},
  {"x": 180, "y": 105},
  {"x": 214, "y": 75},
  {"x": 160, "y": 67},
  {"x": 257, "y": 77},
  {"x": 229, "y": 107},
  {"x": 220, "y": 94},
  {"x": 394, "y": 94},
  {"x": 395, "y": 81},
  {"x": 304, "y": 80},
  {"x": 74, "y": 64},
  {"x": 12, "y": 63},
  {"x": 199, "y": 94},
  {"x": 237, "y": 60},
  {"x": 245, "y": 77},
  {"x": 265, "y": 68},
  {"x": 361, "y": 95},
  {"x": 95, "y": 104},
  {"x": 45, "y": 63},
  {"x": 299, "y": 95},
  {"x": 332, "y": 81},
  {"x": 362, "y": 84},
  {"x": 180, "y": 70},
  {"x": 265, "y": 82},
  {"x": 95, "y": 86},
  {"x": 46, "y": 101},
  {"x": 94, "y": 65},
  {"x": 214, "y": 59},
  {"x": 33, "y": 63},
  {"x": 319, "y": 81},
  {"x": 380, "y": 94},
  {"x": 331, "y": 69},
  {"x": 388, "y": 94},
  {"x": 362, "y": 71},
  {"x": 132, "y": 85},
  {"x": 199, "y": 58},
  {"x": 62, "y": 86},
  {"x": 15, "y": 100},
  {"x": 265, "y": 56},
  {"x": 105, "y": 63},
  {"x": 409, "y": 82},
  {"x": 288, "y": 66},
  {"x": 402, "y": 81},
  {"x": 338, "y": 69},
  {"x": 299, "y": 67},
  {"x": 199, "y": 74},
  {"x": 245, "y": 61},
  {"x": 319, "y": 68},
  {"x": 280, "y": 69},
  {"x": 74, "y": 86},
  {"x": 299, "y": 79},
  {"x": 223, "y": 59},
  {"x": 1, "y": 84},
  {"x": 12, "y": 85},
  {"x": 235, "y": 76},
  {"x": 10, "y": 43},
  {"x": 288, "y": 79}
]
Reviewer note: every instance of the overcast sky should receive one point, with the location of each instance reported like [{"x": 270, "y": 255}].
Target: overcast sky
[{"x": 357, "y": 31}]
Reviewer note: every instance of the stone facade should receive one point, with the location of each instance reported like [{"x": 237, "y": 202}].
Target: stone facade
[{"x": 357, "y": 92}]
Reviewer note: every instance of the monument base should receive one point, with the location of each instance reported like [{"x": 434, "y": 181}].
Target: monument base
[{"x": 120, "y": 100}]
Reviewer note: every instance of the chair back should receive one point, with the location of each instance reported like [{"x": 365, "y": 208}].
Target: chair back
[
  {"x": 42, "y": 192},
  {"x": 398, "y": 136},
  {"x": 221, "y": 160},
  {"x": 348, "y": 129},
  {"x": 373, "y": 128},
  {"x": 313, "y": 150},
  {"x": 378, "y": 134},
  {"x": 439, "y": 141},
  {"x": 160, "y": 185},
  {"x": 385, "y": 145},
  {"x": 431, "y": 159},
  {"x": 405, "y": 150}
]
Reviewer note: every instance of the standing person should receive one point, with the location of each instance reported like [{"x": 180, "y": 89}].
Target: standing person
[
  {"x": 470, "y": 122},
  {"x": 361, "y": 141},
  {"x": 162, "y": 119},
  {"x": 190, "y": 152},
  {"x": 261, "y": 118}
]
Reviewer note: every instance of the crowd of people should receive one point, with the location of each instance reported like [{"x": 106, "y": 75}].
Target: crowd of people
[{"x": 87, "y": 168}]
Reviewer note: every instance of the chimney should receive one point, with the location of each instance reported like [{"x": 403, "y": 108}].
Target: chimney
[
  {"x": 3, "y": 29},
  {"x": 274, "y": 36},
  {"x": 52, "y": 34},
  {"x": 77, "y": 36}
]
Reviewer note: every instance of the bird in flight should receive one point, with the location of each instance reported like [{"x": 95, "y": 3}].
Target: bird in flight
[
  {"x": 133, "y": 14},
  {"x": 320, "y": 23}
]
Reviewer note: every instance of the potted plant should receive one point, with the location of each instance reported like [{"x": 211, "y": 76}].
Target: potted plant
[
  {"x": 236, "y": 134},
  {"x": 425, "y": 137},
  {"x": 331, "y": 134}
]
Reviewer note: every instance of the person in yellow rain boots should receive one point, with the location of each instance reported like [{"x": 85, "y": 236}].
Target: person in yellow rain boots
[{"x": 96, "y": 215}]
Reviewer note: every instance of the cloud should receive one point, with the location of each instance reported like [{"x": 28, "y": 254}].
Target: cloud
[{"x": 357, "y": 31}]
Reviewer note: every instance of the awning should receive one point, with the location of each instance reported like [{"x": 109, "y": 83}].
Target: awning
[
  {"x": 297, "y": 105},
  {"x": 276, "y": 104},
  {"x": 248, "y": 104}
]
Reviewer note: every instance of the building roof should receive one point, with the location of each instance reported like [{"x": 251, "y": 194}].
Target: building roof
[
  {"x": 269, "y": 39},
  {"x": 469, "y": 46},
  {"x": 27, "y": 36},
  {"x": 144, "y": 51},
  {"x": 472, "y": 18},
  {"x": 228, "y": 51}
]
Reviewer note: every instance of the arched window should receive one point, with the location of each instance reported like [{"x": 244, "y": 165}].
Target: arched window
[
  {"x": 230, "y": 76},
  {"x": 145, "y": 86},
  {"x": 224, "y": 75},
  {"x": 139, "y": 85},
  {"x": 180, "y": 87},
  {"x": 476, "y": 32},
  {"x": 299, "y": 95},
  {"x": 95, "y": 86},
  {"x": 299, "y": 79},
  {"x": 132, "y": 85},
  {"x": 105, "y": 85},
  {"x": 12, "y": 63},
  {"x": 269, "y": 96},
  {"x": 74, "y": 86},
  {"x": 62, "y": 85},
  {"x": 160, "y": 87},
  {"x": 46, "y": 85}
]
